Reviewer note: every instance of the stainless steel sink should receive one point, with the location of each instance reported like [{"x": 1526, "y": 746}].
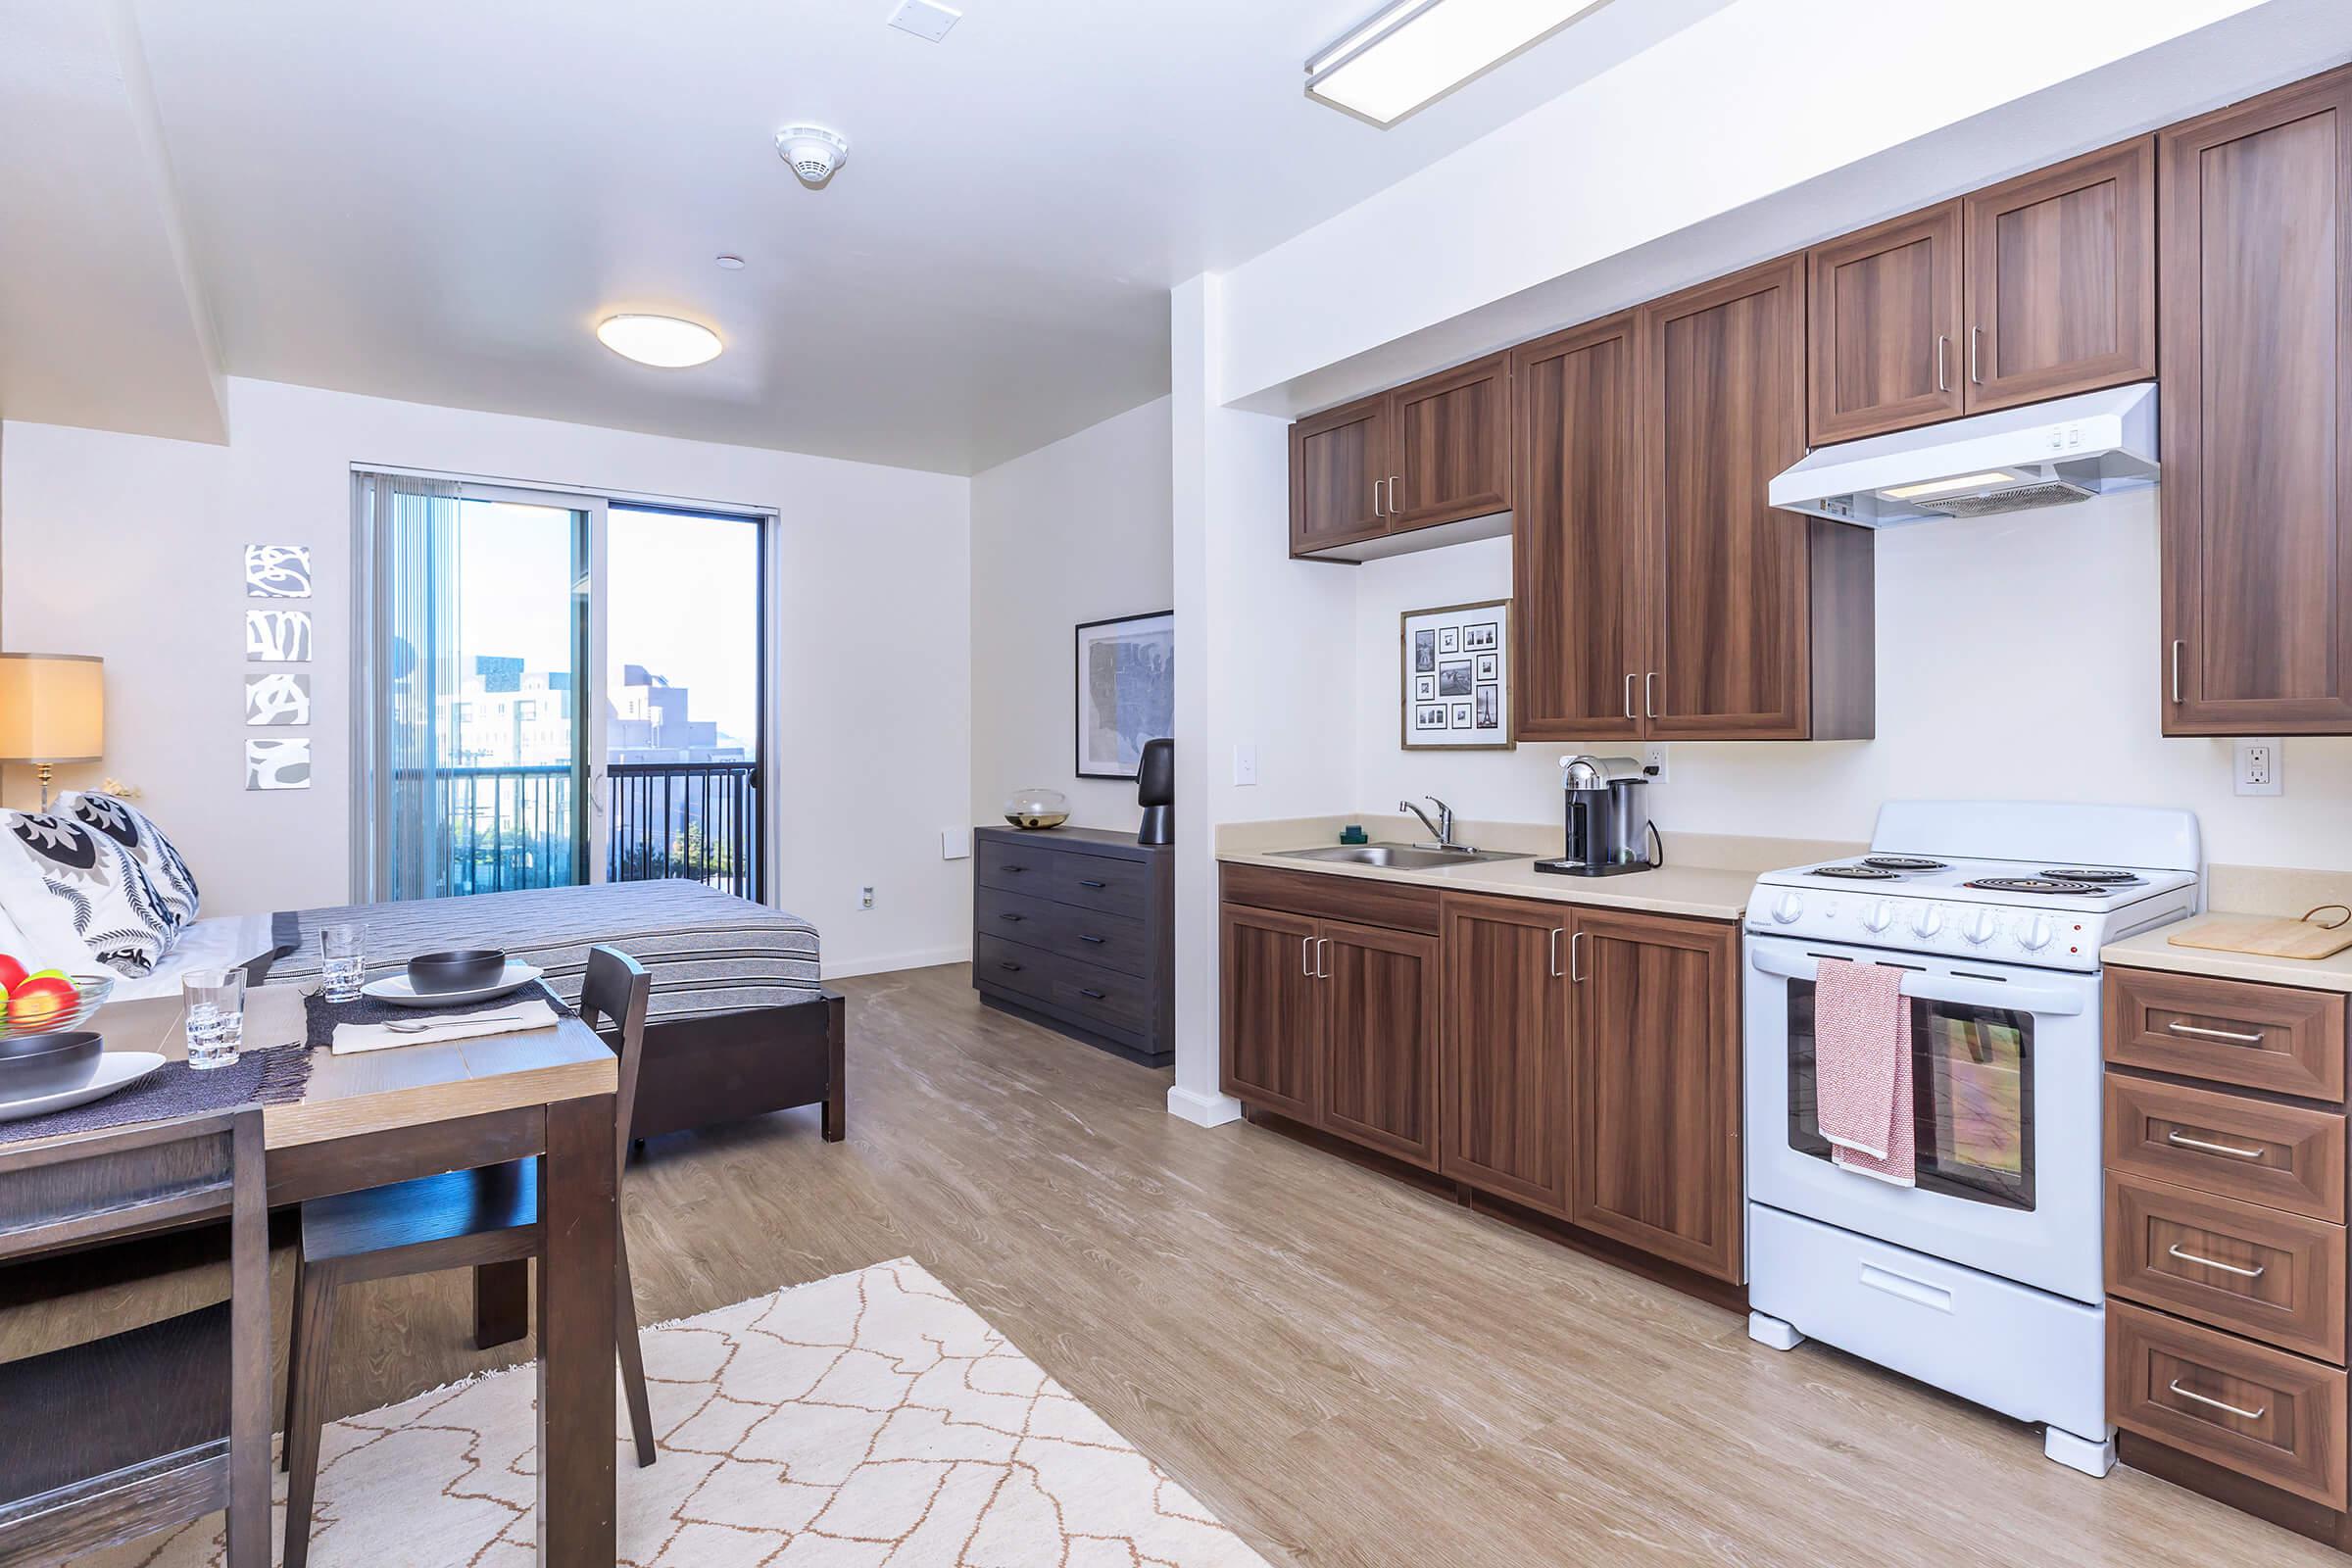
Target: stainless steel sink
[{"x": 1399, "y": 857}]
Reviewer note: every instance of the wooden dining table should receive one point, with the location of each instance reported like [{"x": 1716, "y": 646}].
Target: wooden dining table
[{"x": 416, "y": 1111}]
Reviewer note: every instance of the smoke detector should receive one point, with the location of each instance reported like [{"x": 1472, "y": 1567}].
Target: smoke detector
[{"x": 813, "y": 152}]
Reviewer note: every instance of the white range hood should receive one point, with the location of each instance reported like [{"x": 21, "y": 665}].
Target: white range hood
[{"x": 2041, "y": 454}]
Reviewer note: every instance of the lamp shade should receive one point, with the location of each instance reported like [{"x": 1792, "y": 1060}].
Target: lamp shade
[{"x": 52, "y": 708}]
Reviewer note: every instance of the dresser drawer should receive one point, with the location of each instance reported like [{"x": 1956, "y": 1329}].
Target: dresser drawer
[
  {"x": 1016, "y": 868},
  {"x": 1104, "y": 883},
  {"x": 1103, "y": 999},
  {"x": 1113, "y": 941},
  {"x": 2277, "y": 1038},
  {"x": 2260, "y": 1412},
  {"x": 2277, "y": 1276},
  {"x": 2260, "y": 1152}
]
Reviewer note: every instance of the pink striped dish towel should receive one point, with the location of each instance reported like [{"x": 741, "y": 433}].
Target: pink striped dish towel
[{"x": 1862, "y": 1071}]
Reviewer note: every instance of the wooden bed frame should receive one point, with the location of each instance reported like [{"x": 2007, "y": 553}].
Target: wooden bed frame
[{"x": 698, "y": 1071}]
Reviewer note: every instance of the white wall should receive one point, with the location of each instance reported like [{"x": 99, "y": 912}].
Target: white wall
[
  {"x": 2018, "y": 657},
  {"x": 130, "y": 547},
  {"x": 1072, "y": 532}
]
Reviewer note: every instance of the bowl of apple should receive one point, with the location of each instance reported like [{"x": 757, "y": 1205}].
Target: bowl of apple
[{"x": 45, "y": 1002}]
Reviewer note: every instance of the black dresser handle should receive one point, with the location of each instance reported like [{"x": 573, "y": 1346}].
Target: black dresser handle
[
  {"x": 1015, "y": 870},
  {"x": 1097, "y": 941},
  {"x": 1012, "y": 967},
  {"x": 1015, "y": 918},
  {"x": 1089, "y": 990},
  {"x": 1087, "y": 882}
]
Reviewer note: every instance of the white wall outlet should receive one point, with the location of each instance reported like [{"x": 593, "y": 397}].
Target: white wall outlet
[
  {"x": 1244, "y": 764},
  {"x": 1653, "y": 762},
  {"x": 2260, "y": 770},
  {"x": 954, "y": 843},
  {"x": 865, "y": 898}
]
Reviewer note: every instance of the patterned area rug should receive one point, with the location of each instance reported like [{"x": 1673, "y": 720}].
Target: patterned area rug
[{"x": 866, "y": 1420}]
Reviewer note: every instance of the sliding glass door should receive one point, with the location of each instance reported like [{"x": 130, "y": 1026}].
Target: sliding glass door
[{"x": 555, "y": 689}]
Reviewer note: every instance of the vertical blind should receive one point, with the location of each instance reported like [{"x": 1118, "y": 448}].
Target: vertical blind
[{"x": 405, "y": 609}]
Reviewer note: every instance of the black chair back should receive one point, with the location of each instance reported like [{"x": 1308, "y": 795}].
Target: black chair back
[{"x": 616, "y": 991}]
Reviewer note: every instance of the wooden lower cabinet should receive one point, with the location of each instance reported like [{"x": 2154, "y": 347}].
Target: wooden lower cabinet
[
  {"x": 1507, "y": 1048},
  {"x": 1380, "y": 1038},
  {"x": 1273, "y": 1020},
  {"x": 1655, "y": 1086}
]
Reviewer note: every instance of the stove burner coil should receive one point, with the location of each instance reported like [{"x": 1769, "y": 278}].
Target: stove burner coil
[
  {"x": 1902, "y": 863},
  {"x": 2052, "y": 886},
  {"x": 2096, "y": 875},
  {"x": 1856, "y": 873}
]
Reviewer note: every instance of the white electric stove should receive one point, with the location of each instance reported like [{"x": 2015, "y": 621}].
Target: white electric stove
[{"x": 1984, "y": 1278}]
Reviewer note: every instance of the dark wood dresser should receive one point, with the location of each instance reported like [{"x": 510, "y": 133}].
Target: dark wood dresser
[{"x": 1073, "y": 928}]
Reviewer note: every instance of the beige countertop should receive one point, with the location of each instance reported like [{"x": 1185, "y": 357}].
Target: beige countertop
[
  {"x": 1706, "y": 888},
  {"x": 2151, "y": 950}
]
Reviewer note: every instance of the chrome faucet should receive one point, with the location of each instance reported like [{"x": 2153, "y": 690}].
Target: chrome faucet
[{"x": 1441, "y": 829}]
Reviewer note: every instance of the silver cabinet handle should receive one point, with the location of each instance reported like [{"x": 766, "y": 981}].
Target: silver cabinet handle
[
  {"x": 1322, "y": 946},
  {"x": 1943, "y": 382},
  {"x": 1649, "y": 686},
  {"x": 2207, "y": 1262},
  {"x": 1555, "y": 951},
  {"x": 2178, "y": 1141},
  {"x": 2178, "y": 644},
  {"x": 1576, "y": 949},
  {"x": 1394, "y": 508},
  {"x": 1376, "y": 511},
  {"x": 2190, "y": 1393},
  {"x": 2231, "y": 1035},
  {"x": 1629, "y": 694},
  {"x": 1306, "y": 946},
  {"x": 1972, "y": 355}
]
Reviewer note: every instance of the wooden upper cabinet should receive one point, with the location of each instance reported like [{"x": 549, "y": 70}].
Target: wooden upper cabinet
[
  {"x": 1338, "y": 475},
  {"x": 1729, "y": 581},
  {"x": 2257, "y": 414},
  {"x": 1505, "y": 1027},
  {"x": 1452, "y": 435},
  {"x": 1271, "y": 1009},
  {"x": 1885, "y": 327},
  {"x": 2062, "y": 279},
  {"x": 1577, "y": 535},
  {"x": 1655, "y": 1141},
  {"x": 1380, "y": 1039}
]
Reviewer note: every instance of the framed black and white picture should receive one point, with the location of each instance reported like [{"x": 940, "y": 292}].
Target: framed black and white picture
[
  {"x": 1126, "y": 675},
  {"x": 277, "y": 572},
  {"x": 274, "y": 701},
  {"x": 278, "y": 636},
  {"x": 1453, "y": 691},
  {"x": 278, "y": 764}
]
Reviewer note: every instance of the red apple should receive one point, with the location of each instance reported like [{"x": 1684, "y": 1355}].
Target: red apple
[
  {"x": 40, "y": 1001},
  {"x": 12, "y": 975}
]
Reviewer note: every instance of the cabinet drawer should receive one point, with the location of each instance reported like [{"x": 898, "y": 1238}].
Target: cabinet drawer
[
  {"x": 2278, "y": 1038},
  {"x": 2255, "y": 1271},
  {"x": 1330, "y": 895},
  {"x": 1100, "y": 882},
  {"x": 1103, "y": 999},
  {"x": 2260, "y": 1412},
  {"x": 1113, "y": 941},
  {"x": 2257, "y": 1151},
  {"x": 1016, "y": 868}
]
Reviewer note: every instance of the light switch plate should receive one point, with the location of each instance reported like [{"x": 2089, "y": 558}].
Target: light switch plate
[
  {"x": 2259, "y": 769},
  {"x": 1244, "y": 764},
  {"x": 954, "y": 843}
]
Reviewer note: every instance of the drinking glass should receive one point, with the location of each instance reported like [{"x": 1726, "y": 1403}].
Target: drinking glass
[
  {"x": 216, "y": 1004},
  {"x": 344, "y": 949}
]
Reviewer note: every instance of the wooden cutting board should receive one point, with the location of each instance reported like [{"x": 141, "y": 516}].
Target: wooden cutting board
[{"x": 2264, "y": 934}]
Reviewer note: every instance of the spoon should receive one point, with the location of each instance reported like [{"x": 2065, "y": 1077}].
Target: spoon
[{"x": 436, "y": 1024}]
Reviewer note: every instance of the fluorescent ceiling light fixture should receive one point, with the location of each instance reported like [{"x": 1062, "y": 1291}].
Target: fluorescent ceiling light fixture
[
  {"x": 1960, "y": 486},
  {"x": 662, "y": 341},
  {"x": 1417, "y": 50}
]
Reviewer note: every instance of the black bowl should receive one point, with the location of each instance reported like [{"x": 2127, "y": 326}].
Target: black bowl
[
  {"x": 32, "y": 1065},
  {"x": 437, "y": 973}
]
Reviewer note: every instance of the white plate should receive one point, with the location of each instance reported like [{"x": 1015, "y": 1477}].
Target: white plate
[
  {"x": 395, "y": 988},
  {"x": 117, "y": 1069}
]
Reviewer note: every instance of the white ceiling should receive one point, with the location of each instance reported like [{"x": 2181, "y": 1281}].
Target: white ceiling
[{"x": 436, "y": 201}]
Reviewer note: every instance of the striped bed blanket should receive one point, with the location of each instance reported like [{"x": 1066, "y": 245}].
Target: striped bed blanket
[{"x": 708, "y": 952}]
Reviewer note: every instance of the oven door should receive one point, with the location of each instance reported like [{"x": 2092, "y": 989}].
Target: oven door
[{"x": 2006, "y": 1098}]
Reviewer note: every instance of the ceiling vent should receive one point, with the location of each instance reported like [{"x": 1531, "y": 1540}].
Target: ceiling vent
[
  {"x": 813, "y": 152},
  {"x": 926, "y": 19}
]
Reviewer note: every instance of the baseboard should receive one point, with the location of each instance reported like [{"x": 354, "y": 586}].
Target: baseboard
[
  {"x": 884, "y": 963},
  {"x": 1202, "y": 1111}
]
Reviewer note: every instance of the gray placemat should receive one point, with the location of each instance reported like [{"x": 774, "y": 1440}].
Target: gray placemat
[
  {"x": 276, "y": 1076},
  {"x": 320, "y": 1015}
]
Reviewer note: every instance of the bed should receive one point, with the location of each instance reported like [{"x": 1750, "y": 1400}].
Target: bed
[{"x": 739, "y": 1024}]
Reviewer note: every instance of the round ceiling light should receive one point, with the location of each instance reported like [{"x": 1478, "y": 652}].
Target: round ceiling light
[{"x": 662, "y": 341}]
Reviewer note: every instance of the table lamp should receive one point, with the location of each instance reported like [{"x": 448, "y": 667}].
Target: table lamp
[{"x": 52, "y": 711}]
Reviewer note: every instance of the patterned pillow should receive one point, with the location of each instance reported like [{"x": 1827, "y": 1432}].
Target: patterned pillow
[
  {"x": 73, "y": 892},
  {"x": 136, "y": 832}
]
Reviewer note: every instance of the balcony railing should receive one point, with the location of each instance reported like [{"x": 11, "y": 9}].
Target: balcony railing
[{"x": 515, "y": 827}]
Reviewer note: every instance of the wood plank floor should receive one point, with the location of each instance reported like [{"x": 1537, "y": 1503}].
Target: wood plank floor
[{"x": 1346, "y": 1370}]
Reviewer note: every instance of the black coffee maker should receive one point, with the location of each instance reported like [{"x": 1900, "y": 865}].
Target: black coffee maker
[
  {"x": 1609, "y": 831},
  {"x": 1155, "y": 793}
]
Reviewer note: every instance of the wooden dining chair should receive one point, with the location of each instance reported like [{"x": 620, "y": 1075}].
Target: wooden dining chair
[
  {"x": 148, "y": 1429},
  {"x": 462, "y": 1219}
]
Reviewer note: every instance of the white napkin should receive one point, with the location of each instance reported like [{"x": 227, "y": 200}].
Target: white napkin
[{"x": 519, "y": 1017}]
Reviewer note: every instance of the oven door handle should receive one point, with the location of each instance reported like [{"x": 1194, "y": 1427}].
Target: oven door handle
[{"x": 2004, "y": 995}]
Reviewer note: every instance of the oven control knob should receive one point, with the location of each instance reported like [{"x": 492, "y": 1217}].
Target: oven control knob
[
  {"x": 1879, "y": 916},
  {"x": 1928, "y": 922},
  {"x": 1790, "y": 906},
  {"x": 2036, "y": 933},
  {"x": 1981, "y": 925}
]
